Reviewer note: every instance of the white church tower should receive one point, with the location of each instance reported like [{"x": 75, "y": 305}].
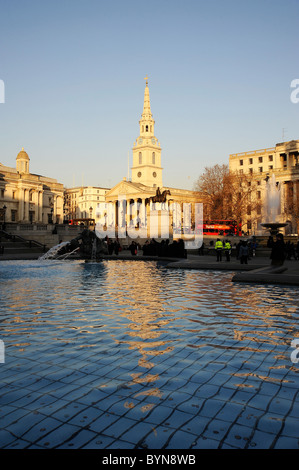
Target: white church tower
[{"x": 146, "y": 167}]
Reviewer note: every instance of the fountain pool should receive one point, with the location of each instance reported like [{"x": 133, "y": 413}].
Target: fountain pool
[{"x": 132, "y": 355}]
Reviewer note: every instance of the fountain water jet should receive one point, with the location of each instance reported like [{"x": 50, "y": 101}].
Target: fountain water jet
[{"x": 272, "y": 206}]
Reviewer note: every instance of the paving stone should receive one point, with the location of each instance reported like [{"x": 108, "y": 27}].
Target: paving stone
[
  {"x": 103, "y": 422},
  {"x": 178, "y": 419},
  {"x": 284, "y": 442},
  {"x": 230, "y": 412},
  {"x": 100, "y": 442},
  {"x": 40, "y": 429},
  {"x": 157, "y": 437},
  {"x": 216, "y": 429},
  {"x": 58, "y": 436},
  {"x": 290, "y": 427},
  {"x": 237, "y": 437},
  {"x": 84, "y": 417},
  {"x": 261, "y": 440},
  {"x": 6, "y": 438},
  {"x": 204, "y": 443},
  {"x": 119, "y": 427},
  {"x": 191, "y": 405},
  {"x": 270, "y": 423},
  {"x": 197, "y": 425},
  {"x": 280, "y": 406},
  {"x": 137, "y": 432},
  {"x": 67, "y": 410},
  {"x": 181, "y": 440},
  {"x": 211, "y": 407}
]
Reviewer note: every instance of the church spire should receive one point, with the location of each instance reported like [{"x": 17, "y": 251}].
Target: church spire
[
  {"x": 146, "y": 167},
  {"x": 146, "y": 103},
  {"x": 146, "y": 123}
]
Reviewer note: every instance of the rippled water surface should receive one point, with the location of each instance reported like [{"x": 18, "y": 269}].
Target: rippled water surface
[{"x": 148, "y": 315}]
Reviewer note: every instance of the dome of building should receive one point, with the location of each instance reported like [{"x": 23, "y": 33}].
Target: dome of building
[{"x": 23, "y": 155}]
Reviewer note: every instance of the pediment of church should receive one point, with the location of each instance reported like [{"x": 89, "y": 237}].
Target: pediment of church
[
  {"x": 292, "y": 145},
  {"x": 127, "y": 188}
]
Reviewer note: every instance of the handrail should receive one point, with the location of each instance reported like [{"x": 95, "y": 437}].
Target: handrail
[{"x": 24, "y": 240}]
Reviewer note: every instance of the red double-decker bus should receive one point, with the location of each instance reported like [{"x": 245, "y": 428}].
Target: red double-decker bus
[{"x": 222, "y": 227}]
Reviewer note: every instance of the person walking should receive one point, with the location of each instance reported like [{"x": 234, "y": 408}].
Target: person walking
[
  {"x": 243, "y": 253},
  {"x": 219, "y": 248},
  {"x": 227, "y": 250},
  {"x": 278, "y": 252}
]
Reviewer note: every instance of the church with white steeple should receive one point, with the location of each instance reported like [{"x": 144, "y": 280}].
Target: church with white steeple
[
  {"x": 146, "y": 179},
  {"x": 146, "y": 167}
]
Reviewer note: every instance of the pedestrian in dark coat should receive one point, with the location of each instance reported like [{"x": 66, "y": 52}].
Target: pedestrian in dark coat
[{"x": 278, "y": 251}]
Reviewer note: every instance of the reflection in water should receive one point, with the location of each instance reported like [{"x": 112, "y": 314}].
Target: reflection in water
[{"x": 138, "y": 323}]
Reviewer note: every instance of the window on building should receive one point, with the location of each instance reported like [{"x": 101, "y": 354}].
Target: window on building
[
  {"x": 250, "y": 161},
  {"x": 270, "y": 167},
  {"x": 258, "y": 194},
  {"x": 153, "y": 158},
  {"x": 140, "y": 158},
  {"x": 241, "y": 162},
  {"x": 146, "y": 128},
  {"x": 13, "y": 215},
  {"x": 270, "y": 158},
  {"x": 14, "y": 195},
  {"x": 251, "y": 170},
  {"x": 260, "y": 159},
  {"x": 261, "y": 169}
]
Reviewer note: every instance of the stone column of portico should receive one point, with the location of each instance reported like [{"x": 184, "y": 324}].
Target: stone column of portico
[
  {"x": 26, "y": 205},
  {"x": 36, "y": 211},
  {"x": 142, "y": 212},
  {"x": 21, "y": 204},
  {"x": 40, "y": 206}
]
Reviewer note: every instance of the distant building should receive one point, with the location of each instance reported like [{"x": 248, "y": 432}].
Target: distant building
[
  {"x": 81, "y": 202},
  {"x": 29, "y": 198},
  {"x": 281, "y": 161}
]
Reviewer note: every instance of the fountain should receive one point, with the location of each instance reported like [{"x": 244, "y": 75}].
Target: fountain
[
  {"x": 86, "y": 246},
  {"x": 272, "y": 206}
]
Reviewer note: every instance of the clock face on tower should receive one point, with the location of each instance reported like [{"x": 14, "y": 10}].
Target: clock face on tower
[
  {"x": 140, "y": 141},
  {"x": 153, "y": 141}
]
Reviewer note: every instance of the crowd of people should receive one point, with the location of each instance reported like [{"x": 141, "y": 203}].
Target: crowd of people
[
  {"x": 244, "y": 250},
  {"x": 176, "y": 249}
]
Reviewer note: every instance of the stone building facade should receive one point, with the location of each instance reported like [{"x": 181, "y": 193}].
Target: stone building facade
[
  {"x": 279, "y": 163},
  {"x": 29, "y": 198}
]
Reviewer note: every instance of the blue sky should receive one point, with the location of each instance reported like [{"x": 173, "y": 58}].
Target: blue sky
[{"x": 219, "y": 79}]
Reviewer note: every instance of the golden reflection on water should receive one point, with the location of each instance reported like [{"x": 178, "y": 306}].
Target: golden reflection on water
[
  {"x": 150, "y": 312},
  {"x": 140, "y": 297}
]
